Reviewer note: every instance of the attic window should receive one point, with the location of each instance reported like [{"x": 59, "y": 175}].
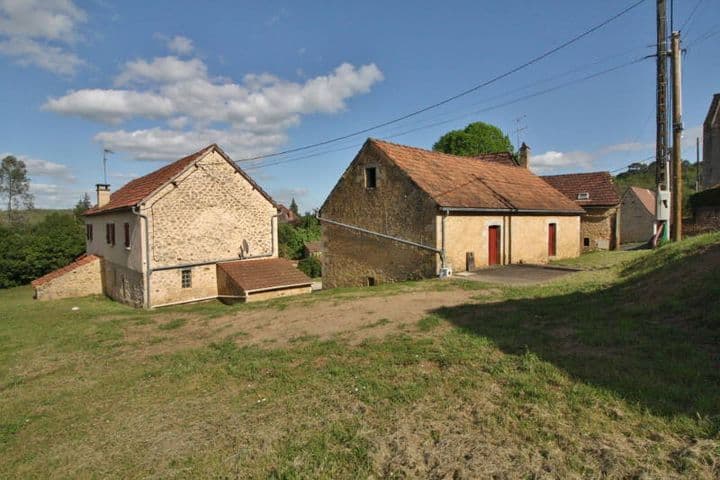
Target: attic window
[
  {"x": 371, "y": 177},
  {"x": 583, "y": 196}
]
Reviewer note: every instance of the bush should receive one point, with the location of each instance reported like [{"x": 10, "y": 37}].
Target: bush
[
  {"x": 292, "y": 238},
  {"x": 29, "y": 252},
  {"x": 311, "y": 267}
]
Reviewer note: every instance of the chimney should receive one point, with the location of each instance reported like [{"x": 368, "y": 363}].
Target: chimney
[
  {"x": 103, "y": 194},
  {"x": 524, "y": 156}
]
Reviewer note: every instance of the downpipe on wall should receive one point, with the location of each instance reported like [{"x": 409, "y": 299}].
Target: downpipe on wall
[{"x": 148, "y": 268}]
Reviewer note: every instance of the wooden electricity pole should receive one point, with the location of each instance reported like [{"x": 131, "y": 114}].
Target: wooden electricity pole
[{"x": 677, "y": 197}]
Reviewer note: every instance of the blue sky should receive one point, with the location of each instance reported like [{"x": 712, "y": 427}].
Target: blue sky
[{"x": 157, "y": 80}]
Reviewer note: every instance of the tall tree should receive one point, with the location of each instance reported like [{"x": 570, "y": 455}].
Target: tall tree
[
  {"x": 294, "y": 207},
  {"x": 82, "y": 205},
  {"x": 475, "y": 139},
  {"x": 15, "y": 186}
]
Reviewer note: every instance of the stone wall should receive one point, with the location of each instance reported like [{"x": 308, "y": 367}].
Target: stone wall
[
  {"x": 210, "y": 213},
  {"x": 79, "y": 282},
  {"x": 523, "y": 238},
  {"x": 599, "y": 226},
  {"x": 710, "y": 169},
  {"x": 637, "y": 224},
  {"x": 166, "y": 285},
  {"x": 705, "y": 219},
  {"x": 271, "y": 294},
  {"x": 395, "y": 207},
  {"x": 123, "y": 284}
]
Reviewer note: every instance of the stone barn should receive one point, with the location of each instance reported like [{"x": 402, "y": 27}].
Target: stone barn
[
  {"x": 637, "y": 215},
  {"x": 710, "y": 169},
  {"x": 184, "y": 233},
  {"x": 595, "y": 193},
  {"x": 400, "y": 213}
]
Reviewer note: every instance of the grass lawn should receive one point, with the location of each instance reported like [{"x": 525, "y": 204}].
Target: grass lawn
[{"x": 613, "y": 372}]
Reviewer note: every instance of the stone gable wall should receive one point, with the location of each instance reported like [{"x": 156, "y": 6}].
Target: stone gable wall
[
  {"x": 636, "y": 223},
  {"x": 599, "y": 225},
  {"x": 395, "y": 207},
  {"x": 211, "y": 213}
]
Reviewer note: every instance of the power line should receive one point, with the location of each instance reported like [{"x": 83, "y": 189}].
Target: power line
[
  {"x": 466, "y": 114},
  {"x": 689, "y": 18},
  {"x": 459, "y": 95}
]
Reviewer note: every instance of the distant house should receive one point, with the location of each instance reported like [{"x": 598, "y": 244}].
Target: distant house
[
  {"x": 595, "y": 192},
  {"x": 637, "y": 215},
  {"x": 313, "y": 249},
  {"x": 286, "y": 215},
  {"x": 196, "y": 229},
  {"x": 710, "y": 169},
  {"x": 401, "y": 213}
]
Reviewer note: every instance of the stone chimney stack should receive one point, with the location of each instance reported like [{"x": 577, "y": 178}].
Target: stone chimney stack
[
  {"x": 103, "y": 194},
  {"x": 524, "y": 156}
]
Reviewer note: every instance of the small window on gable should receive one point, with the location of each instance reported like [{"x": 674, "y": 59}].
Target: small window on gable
[
  {"x": 583, "y": 196},
  {"x": 186, "y": 278},
  {"x": 110, "y": 233},
  {"x": 88, "y": 232},
  {"x": 371, "y": 177}
]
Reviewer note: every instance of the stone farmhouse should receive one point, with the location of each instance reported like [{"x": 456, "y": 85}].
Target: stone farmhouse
[
  {"x": 400, "y": 213},
  {"x": 199, "y": 228},
  {"x": 595, "y": 193},
  {"x": 637, "y": 215},
  {"x": 710, "y": 174}
]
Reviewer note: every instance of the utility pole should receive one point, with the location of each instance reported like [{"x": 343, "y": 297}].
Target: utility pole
[
  {"x": 677, "y": 197},
  {"x": 661, "y": 174},
  {"x": 697, "y": 164}
]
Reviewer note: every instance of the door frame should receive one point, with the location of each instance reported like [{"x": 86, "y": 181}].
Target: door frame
[{"x": 497, "y": 259}]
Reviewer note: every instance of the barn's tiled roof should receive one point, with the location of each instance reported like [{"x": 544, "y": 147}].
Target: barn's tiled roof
[
  {"x": 135, "y": 191},
  {"x": 264, "y": 274},
  {"x": 599, "y": 186},
  {"x": 83, "y": 259},
  {"x": 467, "y": 182},
  {"x": 504, "y": 158},
  {"x": 646, "y": 197}
]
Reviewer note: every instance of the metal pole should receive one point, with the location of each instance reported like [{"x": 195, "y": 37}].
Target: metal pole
[{"x": 677, "y": 196}]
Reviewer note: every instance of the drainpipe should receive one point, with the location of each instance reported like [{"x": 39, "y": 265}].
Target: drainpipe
[
  {"x": 443, "y": 263},
  {"x": 148, "y": 268}
]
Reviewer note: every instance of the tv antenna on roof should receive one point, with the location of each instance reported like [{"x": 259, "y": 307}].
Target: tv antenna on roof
[
  {"x": 106, "y": 151},
  {"x": 519, "y": 128}
]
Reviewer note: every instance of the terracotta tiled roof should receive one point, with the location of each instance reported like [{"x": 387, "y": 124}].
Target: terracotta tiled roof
[
  {"x": 505, "y": 158},
  {"x": 264, "y": 274},
  {"x": 134, "y": 192},
  {"x": 314, "y": 247},
  {"x": 646, "y": 197},
  {"x": 599, "y": 186},
  {"x": 467, "y": 182},
  {"x": 83, "y": 259},
  {"x": 287, "y": 215}
]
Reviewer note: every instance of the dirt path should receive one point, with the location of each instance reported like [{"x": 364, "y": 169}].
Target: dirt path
[{"x": 351, "y": 319}]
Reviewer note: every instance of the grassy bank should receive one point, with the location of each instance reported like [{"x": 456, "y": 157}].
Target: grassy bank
[{"x": 612, "y": 372}]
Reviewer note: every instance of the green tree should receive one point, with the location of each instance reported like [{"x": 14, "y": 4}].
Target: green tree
[
  {"x": 294, "y": 207},
  {"x": 475, "y": 139},
  {"x": 15, "y": 186},
  {"x": 82, "y": 205}
]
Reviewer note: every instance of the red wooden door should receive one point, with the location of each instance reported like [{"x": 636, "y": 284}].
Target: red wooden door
[
  {"x": 494, "y": 245},
  {"x": 552, "y": 239}
]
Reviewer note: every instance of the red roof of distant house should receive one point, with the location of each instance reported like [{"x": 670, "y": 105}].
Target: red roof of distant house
[
  {"x": 505, "y": 158},
  {"x": 646, "y": 197},
  {"x": 598, "y": 186},
  {"x": 467, "y": 182},
  {"x": 135, "y": 191},
  {"x": 264, "y": 274},
  {"x": 83, "y": 259},
  {"x": 287, "y": 215}
]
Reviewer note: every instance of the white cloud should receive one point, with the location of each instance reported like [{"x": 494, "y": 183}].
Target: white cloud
[
  {"x": 42, "y": 168},
  {"x": 553, "y": 160},
  {"x": 111, "y": 106},
  {"x": 40, "y": 32},
  {"x": 246, "y": 118},
  {"x": 285, "y": 195},
  {"x": 48, "y": 195},
  {"x": 180, "y": 45},
  {"x": 161, "y": 70}
]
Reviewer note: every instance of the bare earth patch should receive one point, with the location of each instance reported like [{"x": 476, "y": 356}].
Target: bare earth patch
[{"x": 352, "y": 320}]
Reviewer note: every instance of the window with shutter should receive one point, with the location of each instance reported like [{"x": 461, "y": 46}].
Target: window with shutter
[
  {"x": 89, "y": 232},
  {"x": 127, "y": 235},
  {"x": 112, "y": 234}
]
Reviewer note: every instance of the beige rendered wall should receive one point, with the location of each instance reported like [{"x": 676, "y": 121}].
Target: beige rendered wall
[
  {"x": 82, "y": 281},
  {"x": 396, "y": 207},
  {"x": 211, "y": 213},
  {"x": 637, "y": 224},
  {"x": 524, "y": 239},
  {"x": 118, "y": 254}
]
